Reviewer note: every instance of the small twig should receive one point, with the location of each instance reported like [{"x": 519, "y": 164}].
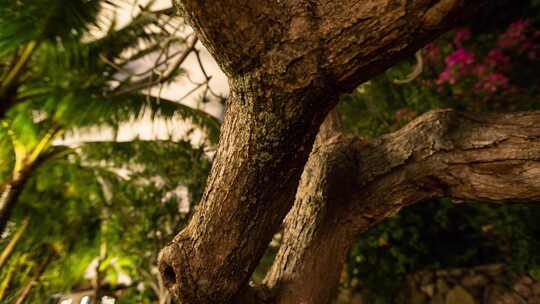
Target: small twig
[
  {"x": 417, "y": 70},
  {"x": 191, "y": 91},
  {"x": 115, "y": 66},
  {"x": 208, "y": 78},
  {"x": 150, "y": 81}
]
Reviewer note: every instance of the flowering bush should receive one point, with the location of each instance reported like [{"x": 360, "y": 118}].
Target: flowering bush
[
  {"x": 467, "y": 70},
  {"x": 482, "y": 72}
]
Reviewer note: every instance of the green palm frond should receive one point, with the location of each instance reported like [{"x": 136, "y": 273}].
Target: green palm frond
[
  {"x": 58, "y": 73},
  {"x": 84, "y": 108},
  {"x": 167, "y": 108},
  {"x": 36, "y": 20},
  {"x": 72, "y": 81},
  {"x": 179, "y": 161},
  {"x": 139, "y": 151},
  {"x": 7, "y": 155},
  {"x": 143, "y": 29},
  {"x": 68, "y": 65}
]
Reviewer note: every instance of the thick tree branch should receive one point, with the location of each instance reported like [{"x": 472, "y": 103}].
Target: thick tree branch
[
  {"x": 350, "y": 184},
  {"x": 236, "y": 32},
  {"x": 464, "y": 156},
  {"x": 342, "y": 43},
  {"x": 314, "y": 245},
  {"x": 261, "y": 145},
  {"x": 359, "y": 39}
]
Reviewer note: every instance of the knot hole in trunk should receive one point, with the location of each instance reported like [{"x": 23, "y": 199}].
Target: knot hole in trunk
[
  {"x": 166, "y": 262},
  {"x": 169, "y": 276}
]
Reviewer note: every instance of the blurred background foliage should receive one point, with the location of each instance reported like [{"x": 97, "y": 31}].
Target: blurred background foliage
[{"x": 89, "y": 218}]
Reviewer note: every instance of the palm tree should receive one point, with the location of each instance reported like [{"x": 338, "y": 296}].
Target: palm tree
[
  {"x": 66, "y": 65},
  {"x": 68, "y": 80}
]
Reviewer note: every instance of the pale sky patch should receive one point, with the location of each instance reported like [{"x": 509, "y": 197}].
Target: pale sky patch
[{"x": 146, "y": 128}]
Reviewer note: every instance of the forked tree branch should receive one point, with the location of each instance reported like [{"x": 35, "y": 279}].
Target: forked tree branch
[
  {"x": 287, "y": 61},
  {"x": 350, "y": 184},
  {"x": 345, "y": 42},
  {"x": 465, "y": 156}
]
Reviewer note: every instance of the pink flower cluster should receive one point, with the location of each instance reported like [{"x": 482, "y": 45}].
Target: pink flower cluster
[
  {"x": 497, "y": 58},
  {"x": 461, "y": 63},
  {"x": 514, "y": 35},
  {"x": 491, "y": 83},
  {"x": 486, "y": 72},
  {"x": 520, "y": 37},
  {"x": 457, "y": 63},
  {"x": 460, "y": 58}
]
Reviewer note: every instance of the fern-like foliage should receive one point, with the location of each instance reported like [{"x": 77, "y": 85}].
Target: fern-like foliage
[{"x": 66, "y": 65}]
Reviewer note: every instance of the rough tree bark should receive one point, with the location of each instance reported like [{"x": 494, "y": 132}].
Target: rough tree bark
[
  {"x": 350, "y": 184},
  {"x": 287, "y": 62}
]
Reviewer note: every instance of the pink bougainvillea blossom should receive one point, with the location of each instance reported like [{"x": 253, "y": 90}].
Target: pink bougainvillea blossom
[
  {"x": 460, "y": 58},
  {"x": 446, "y": 76},
  {"x": 518, "y": 27},
  {"x": 496, "y": 57},
  {"x": 459, "y": 71},
  {"x": 492, "y": 83},
  {"x": 459, "y": 62},
  {"x": 514, "y": 35}
]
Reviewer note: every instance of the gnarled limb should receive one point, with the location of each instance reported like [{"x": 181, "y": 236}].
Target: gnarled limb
[
  {"x": 350, "y": 184},
  {"x": 308, "y": 264},
  {"x": 261, "y": 153},
  {"x": 236, "y": 32},
  {"x": 343, "y": 42}
]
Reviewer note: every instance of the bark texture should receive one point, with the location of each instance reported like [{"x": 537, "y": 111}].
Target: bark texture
[
  {"x": 350, "y": 184},
  {"x": 287, "y": 61}
]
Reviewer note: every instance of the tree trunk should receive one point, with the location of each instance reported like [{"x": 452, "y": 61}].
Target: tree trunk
[
  {"x": 308, "y": 265},
  {"x": 260, "y": 145},
  {"x": 287, "y": 61},
  {"x": 9, "y": 197},
  {"x": 13, "y": 242}
]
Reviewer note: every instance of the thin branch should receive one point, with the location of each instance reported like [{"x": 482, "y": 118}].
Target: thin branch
[
  {"x": 117, "y": 67},
  {"x": 151, "y": 81},
  {"x": 191, "y": 92},
  {"x": 417, "y": 70},
  {"x": 203, "y": 70}
]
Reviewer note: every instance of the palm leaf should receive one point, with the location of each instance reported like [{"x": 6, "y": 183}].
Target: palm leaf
[
  {"x": 141, "y": 30},
  {"x": 84, "y": 108},
  {"x": 36, "y": 20}
]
